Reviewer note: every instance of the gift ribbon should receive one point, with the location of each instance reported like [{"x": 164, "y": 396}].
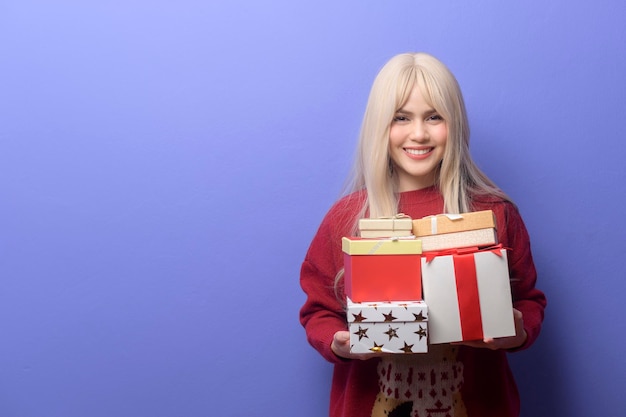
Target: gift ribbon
[
  {"x": 468, "y": 296},
  {"x": 393, "y": 219},
  {"x": 496, "y": 249},
  {"x": 381, "y": 242},
  {"x": 433, "y": 220},
  {"x": 396, "y": 216}
]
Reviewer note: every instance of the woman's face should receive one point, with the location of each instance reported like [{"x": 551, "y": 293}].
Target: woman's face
[{"x": 417, "y": 141}]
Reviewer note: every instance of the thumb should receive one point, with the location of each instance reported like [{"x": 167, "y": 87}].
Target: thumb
[
  {"x": 342, "y": 337},
  {"x": 341, "y": 344}
]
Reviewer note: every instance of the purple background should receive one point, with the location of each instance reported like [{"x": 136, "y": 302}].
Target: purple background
[{"x": 164, "y": 165}]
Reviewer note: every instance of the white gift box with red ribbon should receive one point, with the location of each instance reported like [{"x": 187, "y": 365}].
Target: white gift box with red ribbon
[{"x": 468, "y": 294}]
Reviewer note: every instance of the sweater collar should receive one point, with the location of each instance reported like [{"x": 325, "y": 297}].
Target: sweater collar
[{"x": 422, "y": 195}]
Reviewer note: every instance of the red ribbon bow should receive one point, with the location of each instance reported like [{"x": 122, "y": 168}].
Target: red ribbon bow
[{"x": 496, "y": 249}]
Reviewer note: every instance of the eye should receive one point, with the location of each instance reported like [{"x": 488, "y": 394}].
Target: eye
[
  {"x": 399, "y": 118},
  {"x": 434, "y": 118}
]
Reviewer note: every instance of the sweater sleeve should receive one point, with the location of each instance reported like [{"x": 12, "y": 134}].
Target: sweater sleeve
[
  {"x": 323, "y": 313},
  {"x": 526, "y": 297}
]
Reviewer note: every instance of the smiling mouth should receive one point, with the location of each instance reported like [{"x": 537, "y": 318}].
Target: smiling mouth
[{"x": 417, "y": 151}]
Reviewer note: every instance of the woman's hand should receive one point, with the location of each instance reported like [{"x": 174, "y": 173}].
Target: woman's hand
[
  {"x": 511, "y": 342},
  {"x": 341, "y": 347}
]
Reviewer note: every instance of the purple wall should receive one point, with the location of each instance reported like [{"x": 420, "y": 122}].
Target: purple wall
[{"x": 164, "y": 165}]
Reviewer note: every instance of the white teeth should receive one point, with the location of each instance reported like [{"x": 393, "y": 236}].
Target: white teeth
[{"x": 418, "y": 151}]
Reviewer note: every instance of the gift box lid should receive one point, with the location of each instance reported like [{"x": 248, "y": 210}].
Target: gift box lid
[
  {"x": 387, "y": 311},
  {"x": 394, "y": 246},
  {"x": 449, "y": 223},
  {"x": 397, "y": 222},
  {"x": 465, "y": 239}
]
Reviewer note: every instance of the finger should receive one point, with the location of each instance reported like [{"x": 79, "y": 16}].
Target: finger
[
  {"x": 342, "y": 337},
  {"x": 341, "y": 344},
  {"x": 493, "y": 344}
]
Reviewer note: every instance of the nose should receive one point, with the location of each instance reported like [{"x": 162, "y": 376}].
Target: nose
[{"x": 418, "y": 131}]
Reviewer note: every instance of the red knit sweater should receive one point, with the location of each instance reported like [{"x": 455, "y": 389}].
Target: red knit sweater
[{"x": 447, "y": 381}]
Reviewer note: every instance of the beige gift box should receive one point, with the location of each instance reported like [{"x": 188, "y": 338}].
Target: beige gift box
[
  {"x": 397, "y": 226},
  {"x": 465, "y": 239}
]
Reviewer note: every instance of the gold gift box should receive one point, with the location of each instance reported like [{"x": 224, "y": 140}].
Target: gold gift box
[{"x": 451, "y": 223}]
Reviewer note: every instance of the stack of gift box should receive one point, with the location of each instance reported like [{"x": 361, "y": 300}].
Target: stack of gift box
[{"x": 414, "y": 282}]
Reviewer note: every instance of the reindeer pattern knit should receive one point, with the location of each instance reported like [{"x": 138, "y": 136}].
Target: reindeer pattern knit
[{"x": 413, "y": 386}]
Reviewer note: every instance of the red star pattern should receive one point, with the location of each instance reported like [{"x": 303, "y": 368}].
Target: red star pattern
[
  {"x": 419, "y": 317},
  {"x": 389, "y": 317},
  {"x": 392, "y": 332},
  {"x": 421, "y": 332},
  {"x": 361, "y": 333},
  {"x": 359, "y": 318},
  {"x": 407, "y": 348}
]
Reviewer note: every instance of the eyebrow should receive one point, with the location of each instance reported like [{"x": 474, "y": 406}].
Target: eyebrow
[{"x": 428, "y": 112}]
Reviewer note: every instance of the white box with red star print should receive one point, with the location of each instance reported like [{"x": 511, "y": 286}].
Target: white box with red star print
[{"x": 390, "y": 327}]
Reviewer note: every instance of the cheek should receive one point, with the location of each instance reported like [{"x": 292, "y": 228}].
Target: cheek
[
  {"x": 442, "y": 135},
  {"x": 393, "y": 134},
  {"x": 396, "y": 135}
]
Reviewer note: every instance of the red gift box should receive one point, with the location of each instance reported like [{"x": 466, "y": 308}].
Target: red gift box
[{"x": 382, "y": 277}]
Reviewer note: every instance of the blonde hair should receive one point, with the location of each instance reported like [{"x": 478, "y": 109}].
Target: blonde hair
[{"x": 459, "y": 179}]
